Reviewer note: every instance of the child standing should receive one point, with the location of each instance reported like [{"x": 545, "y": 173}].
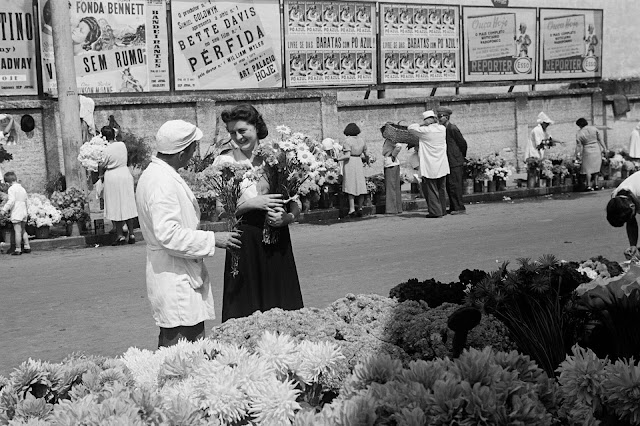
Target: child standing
[{"x": 17, "y": 205}]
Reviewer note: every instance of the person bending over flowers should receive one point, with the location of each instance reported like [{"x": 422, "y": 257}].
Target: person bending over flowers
[{"x": 622, "y": 209}]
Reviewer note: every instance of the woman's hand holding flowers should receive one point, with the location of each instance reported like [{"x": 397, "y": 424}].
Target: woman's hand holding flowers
[
  {"x": 266, "y": 202},
  {"x": 278, "y": 217}
]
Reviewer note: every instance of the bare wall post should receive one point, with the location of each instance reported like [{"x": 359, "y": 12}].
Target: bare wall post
[
  {"x": 329, "y": 114},
  {"x": 598, "y": 114},
  {"x": 522, "y": 128},
  {"x": 67, "y": 95},
  {"x": 207, "y": 121}
]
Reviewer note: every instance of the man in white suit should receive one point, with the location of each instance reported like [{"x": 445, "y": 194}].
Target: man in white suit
[{"x": 178, "y": 284}]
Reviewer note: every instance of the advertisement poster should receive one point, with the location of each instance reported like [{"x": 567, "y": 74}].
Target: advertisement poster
[
  {"x": 119, "y": 46},
  {"x": 499, "y": 44},
  {"x": 419, "y": 43},
  {"x": 330, "y": 43},
  {"x": 17, "y": 49},
  {"x": 226, "y": 45},
  {"x": 571, "y": 43}
]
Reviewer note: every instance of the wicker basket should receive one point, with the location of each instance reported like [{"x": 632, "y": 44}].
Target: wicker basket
[{"x": 398, "y": 133}]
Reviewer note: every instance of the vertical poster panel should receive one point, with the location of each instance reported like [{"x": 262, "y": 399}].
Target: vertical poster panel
[
  {"x": 119, "y": 46},
  {"x": 17, "y": 49},
  {"x": 571, "y": 43},
  {"x": 419, "y": 43},
  {"x": 499, "y": 45},
  {"x": 329, "y": 43},
  {"x": 226, "y": 44}
]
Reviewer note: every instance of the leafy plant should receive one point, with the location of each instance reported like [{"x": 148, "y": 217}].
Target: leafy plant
[
  {"x": 138, "y": 151},
  {"x": 71, "y": 204},
  {"x": 5, "y": 155},
  {"x": 537, "y": 304},
  {"x": 56, "y": 183},
  {"x": 433, "y": 292}
]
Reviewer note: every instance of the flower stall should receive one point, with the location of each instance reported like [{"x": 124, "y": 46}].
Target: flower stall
[{"x": 42, "y": 215}]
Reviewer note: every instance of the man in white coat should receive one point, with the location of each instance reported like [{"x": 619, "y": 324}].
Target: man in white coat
[
  {"x": 178, "y": 284},
  {"x": 434, "y": 166}
]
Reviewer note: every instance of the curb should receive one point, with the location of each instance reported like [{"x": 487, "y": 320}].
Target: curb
[{"x": 321, "y": 215}]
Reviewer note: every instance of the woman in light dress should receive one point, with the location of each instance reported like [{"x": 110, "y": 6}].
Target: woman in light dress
[
  {"x": 353, "y": 182},
  {"x": 589, "y": 149},
  {"x": 119, "y": 197},
  {"x": 634, "y": 142}
]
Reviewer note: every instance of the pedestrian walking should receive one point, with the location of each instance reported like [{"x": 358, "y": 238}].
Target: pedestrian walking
[
  {"x": 456, "y": 153},
  {"x": 589, "y": 150},
  {"x": 434, "y": 166},
  {"x": 392, "y": 182},
  {"x": 539, "y": 139},
  {"x": 178, "y": 284},
  {"x": 118, "y": 192},
  {"x": 17, "y": 206},
  {"x": 266, "y": 276},
  {"x": 622, "y": 210},
  {"x": 353, "y": 181}
]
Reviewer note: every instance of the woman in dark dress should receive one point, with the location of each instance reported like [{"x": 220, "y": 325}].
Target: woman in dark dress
[{"x": 267, "y": 276}]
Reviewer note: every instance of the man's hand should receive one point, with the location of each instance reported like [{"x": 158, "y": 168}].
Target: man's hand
[
  {"x": 228, "y": 240},
  {"x": 632, "y": 253}
]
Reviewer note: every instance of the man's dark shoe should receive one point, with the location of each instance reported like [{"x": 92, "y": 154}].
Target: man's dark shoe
[
  {"x": 26, "y": 250},
  {"x": 432, "y": 216}
]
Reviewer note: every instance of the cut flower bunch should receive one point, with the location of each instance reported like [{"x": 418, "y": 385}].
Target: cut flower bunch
[
  {"x": 92, "y": 153},
  {"x": 71, "y": 204}
]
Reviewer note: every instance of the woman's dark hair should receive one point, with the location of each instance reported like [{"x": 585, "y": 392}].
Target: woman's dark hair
[
  {"x": 248, "y": 113},
  {"x": 352, "y": 130},
  {"x": 108, "y": 133},
  {"x": 581, "y": 122},
  {"x": 382, "y": 129},
  {"x": 94, "y": 32},
  {"x": 618, "y": 211}
]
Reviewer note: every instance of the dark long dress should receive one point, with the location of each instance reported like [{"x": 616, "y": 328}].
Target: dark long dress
[{"x": 267, "y": 276}]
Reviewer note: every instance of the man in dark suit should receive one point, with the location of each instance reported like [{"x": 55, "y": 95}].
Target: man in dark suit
[{"x": 456, "y": 151}]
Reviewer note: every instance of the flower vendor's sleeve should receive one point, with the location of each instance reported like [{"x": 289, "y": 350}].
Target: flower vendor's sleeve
[{"x": 170, "y": 231}]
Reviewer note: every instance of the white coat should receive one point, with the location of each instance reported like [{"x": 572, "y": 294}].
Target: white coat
[
  {"x": 178, "y": 284},
  {"x": 536, "y": 137},
  {"x": 432, "y": 150}
]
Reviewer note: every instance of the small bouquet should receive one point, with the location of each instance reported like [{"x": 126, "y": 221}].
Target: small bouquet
[
  {"x": 71, "y": 204},
  {"x": 616, "y": 162},
  {"x": 228, "y": 181},
  {"x": 546, "y": 169},
  {"x": 92, "y": 153},
  {"x": 288, "y": 163},
  {"x": 546, "y": 144},
  {"x": 368, "y": 159},
  {"x": 41, "y": 212},
  {"x": 533, "y": 164},
  {"x": 5, "y": 155}
]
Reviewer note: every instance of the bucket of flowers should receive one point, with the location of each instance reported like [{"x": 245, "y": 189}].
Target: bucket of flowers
[
  {"x": 71, "y": 204},
  {"x": 42, "y": 214},
  {"x": 546, "y": 172},
  {"x": 290, "y": 160}
]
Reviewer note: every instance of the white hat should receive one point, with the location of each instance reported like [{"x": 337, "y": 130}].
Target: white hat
[
  {"x": 428, "y": 114},
  {"x": 327, "y": 144},
  {"x": 175, "y": 135},
  {"x": 544, "y": 118}
]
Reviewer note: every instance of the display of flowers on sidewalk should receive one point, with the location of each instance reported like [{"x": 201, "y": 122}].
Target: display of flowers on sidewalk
[{"x": 41, "y": 212}]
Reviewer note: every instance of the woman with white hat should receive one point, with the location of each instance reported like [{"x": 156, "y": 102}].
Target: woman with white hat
[{"x": 538, "y": 138}]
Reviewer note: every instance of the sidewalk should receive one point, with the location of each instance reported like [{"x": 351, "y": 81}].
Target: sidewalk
[{"x": 410, "y": 202}]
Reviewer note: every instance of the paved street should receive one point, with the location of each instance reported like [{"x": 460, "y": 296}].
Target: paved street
[{"x": 94, "y": 300}]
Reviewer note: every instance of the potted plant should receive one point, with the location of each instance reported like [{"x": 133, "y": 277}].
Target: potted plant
[
  {"x": 71, "y": 204},
  {"x": 42, "y": 215}
]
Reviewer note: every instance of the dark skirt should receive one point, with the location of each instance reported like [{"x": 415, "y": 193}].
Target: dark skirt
[{"x": 267, "y": 275}]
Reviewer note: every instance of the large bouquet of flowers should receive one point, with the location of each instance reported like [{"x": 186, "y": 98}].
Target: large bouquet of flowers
[
  {"x": 547, "y": 143},
  {"x": 289, "y": 161},
  {"x": 616, "y": 162},
  {"x": 71, "y": 204},
  {"x": 227, "y": 181},
  {"x": 546, "y": 169},
  {"x": 474, "y": 168},
  {"x": 41, "y": 212},
  {"x": 92, "y": 153}
]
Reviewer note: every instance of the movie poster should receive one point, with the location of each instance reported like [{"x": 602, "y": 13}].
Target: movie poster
[
  {"x": 419, "y": 43},
  {"x": 17, "y": 49},
  {"x": 226, "y": 45},
  {"x": 329, "y": 43},
  {"x": 119, "y": 46},
  {"x": 571, "y": 43},
  {"x": 500, "y": 44}
]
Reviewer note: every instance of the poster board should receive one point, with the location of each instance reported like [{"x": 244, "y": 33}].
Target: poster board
[
  {"x": 17, "y": 49},
  {"x": 329, "y": 43},
  {"x": 119, "y": 46},
  {"x": 419, "y": 43},
  {"x": 570, "y": 43},
  {"x": 226, "y": 44},
  {"x": 499, "y": 44}
]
